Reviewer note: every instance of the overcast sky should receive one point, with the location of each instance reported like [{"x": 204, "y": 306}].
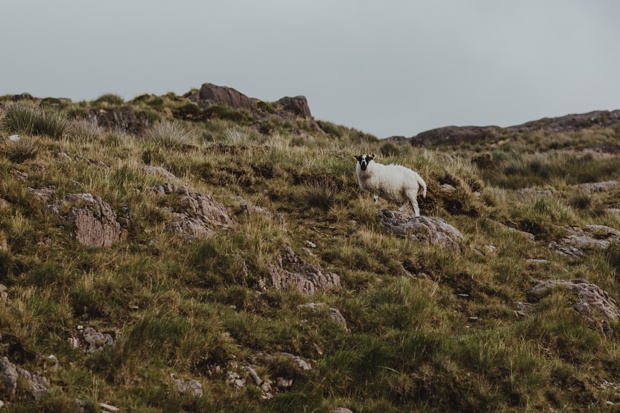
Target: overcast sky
[{"x": 389, "y": 67}]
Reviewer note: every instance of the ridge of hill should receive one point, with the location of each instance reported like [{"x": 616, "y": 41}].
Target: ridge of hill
[{"x": 210, "y": 252}]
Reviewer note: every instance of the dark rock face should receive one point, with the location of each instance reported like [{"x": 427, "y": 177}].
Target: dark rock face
[
  {"x": 305, "y": 277},
  {"x": 456, "y": 135},
  {"x": 210, "y": 94},
  {"x": 125, "y": 119},
  {"x": 427, "y": 231},
  {"x": 298, "y": 105}
]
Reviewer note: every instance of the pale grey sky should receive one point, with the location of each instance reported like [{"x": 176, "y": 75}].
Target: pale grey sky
[{"x": 389, "y": 67}]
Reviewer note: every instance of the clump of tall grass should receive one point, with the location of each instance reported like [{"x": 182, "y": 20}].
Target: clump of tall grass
[
  {"x": 109, "y": 99},
  {"x": 29, "y": 120},
  {"x": 170, "y": 135}
]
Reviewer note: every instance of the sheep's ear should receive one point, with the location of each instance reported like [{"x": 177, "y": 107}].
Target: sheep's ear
[
  {"x": 357, "y": 157},
  {"x": 373, "y": 156}
]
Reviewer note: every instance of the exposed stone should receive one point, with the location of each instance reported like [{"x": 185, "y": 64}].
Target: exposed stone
[
  {"x": 8, "y": 375},
  {"x": 246, "y": 207},
  {"x": 305, "y": 277},
  {"x": 124, "y": 118},
  {"x": 94, "y": 221},
  {"x": 591, "y": 187},
  {"x": 334, "y": 313},
  {"x": 158, "y": 170},
  {"x": 187, "y": 387},
  {"x": 198, "y": 213},
  {"x": 43, "y": 194},
  {"x": 210, "y": 94},
  {"x": 457, "y": 135},
  {"x": 193, "y": 227},
  {"x": 539, "y": 193},
  {"x": 298, "y": 105},
  {"x": 96, "y": 340},
  {"x": 341, "y": 410},
  {"x": 38, "y": 385},
  {"x": 594, "y": 303},
  {"x": 427, "y": 231},
  {"x": 591, "y": 237}
]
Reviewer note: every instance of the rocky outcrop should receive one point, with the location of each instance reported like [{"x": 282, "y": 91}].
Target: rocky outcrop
[
  {"x": 593, "y": 187},
  {"x": 124, "y": 118},
  {"x": 196, "y": 214},
  {"x": 590, "y": 237},
  {"x": 210, "y": 94},
  {"x": 457, "y": 135},
  {"x": 427, "y": 231},
  {"x": 291, "y": 271},
  {"x": 297, "y": 105},
  {"x": 188, "y": 387},
  {"x": 93, "y": 221},
  {"x": 13, "y": 378},
  {"x": 593, "y": 302}
]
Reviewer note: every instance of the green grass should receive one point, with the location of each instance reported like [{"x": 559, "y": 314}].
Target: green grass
[{"x": 428, "y": 329}]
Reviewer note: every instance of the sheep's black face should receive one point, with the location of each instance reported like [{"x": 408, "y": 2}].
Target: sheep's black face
[{"x": 364, "y": 160}]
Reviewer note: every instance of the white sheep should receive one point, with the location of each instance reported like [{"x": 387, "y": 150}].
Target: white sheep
[{"x": 394, "y": 183}]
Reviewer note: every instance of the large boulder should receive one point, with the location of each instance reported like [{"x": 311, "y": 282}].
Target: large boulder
[
  {"x": 210, "y": 94},
  {"x": 425, "y": 230},
  {"x": 297, "y": 105},
  {"x": 291, "y": 271}
]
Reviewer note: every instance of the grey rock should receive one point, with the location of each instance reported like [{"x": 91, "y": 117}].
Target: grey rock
[
  {"x": 96, "y": 340},
  {"x": 594, "y": 303},
  {"x": 187, "y": 387},
  {"x": 590, "y": 237},
  {"x": 427, "y": 231},
  {"x": 304, "y": 277},
  {"x": 8, "y": 375},
  {"x": 334, "y": 313},
  {"x": 94, "y": 221},
  {"x": 591, "y": 187}
]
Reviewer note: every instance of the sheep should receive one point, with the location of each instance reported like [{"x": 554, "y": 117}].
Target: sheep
[{"x": 394, "y": 183}]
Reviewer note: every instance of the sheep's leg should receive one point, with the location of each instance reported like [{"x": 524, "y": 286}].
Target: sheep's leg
[
  {"x": 375, "y": 197},
  {"x": 413, "y": 199}
]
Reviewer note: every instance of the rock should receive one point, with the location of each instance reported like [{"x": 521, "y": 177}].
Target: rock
[
  {"x": 246, "y": 207},
  {"x": 158, "y": 170},
  {"x": 334, "y": 313},
  {"x": 8, "y": 375},
  {"x": 457, "y": 135},
  {"x": 38, "y": 385},
  {"x": 124, "y": 118},
  {"x": 109, "y": 407},
  {"x": 530, "y": 237},
  {"x": 61, "y": 156},
  {"x": 4, "y": 292},
  {"x": 341, "y": 410},
  {"x": 187, "y": 387},
  {"x": 43, "y": 194},
  {"x": 96, "y": 340},
  {"x": 298, "y": 105},
  {"x": 538, "y": 193},
  {"x": 590, "y": 237},
  {"x": 306, "y": 278},
  {"x": 427, "y": 231},
  {"x": 4, "y": 204},
  {"x": 14, "y": 138},
  {"x": 192, "y": 227},
  {"x": 594, "y": 303},
  {"x": 95, "y": 223},
  {"x": 589, "y": 188},
  {"x": 210, "y": 94}
]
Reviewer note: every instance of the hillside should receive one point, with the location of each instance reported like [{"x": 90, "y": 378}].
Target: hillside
[{"x": 213, "y": 252}]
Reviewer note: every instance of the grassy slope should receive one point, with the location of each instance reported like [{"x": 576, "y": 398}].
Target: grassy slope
[{"x": 196, "y": 310}]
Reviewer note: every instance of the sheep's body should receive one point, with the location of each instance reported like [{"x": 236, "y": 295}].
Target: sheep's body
[{"x": 394, "y": 183}]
